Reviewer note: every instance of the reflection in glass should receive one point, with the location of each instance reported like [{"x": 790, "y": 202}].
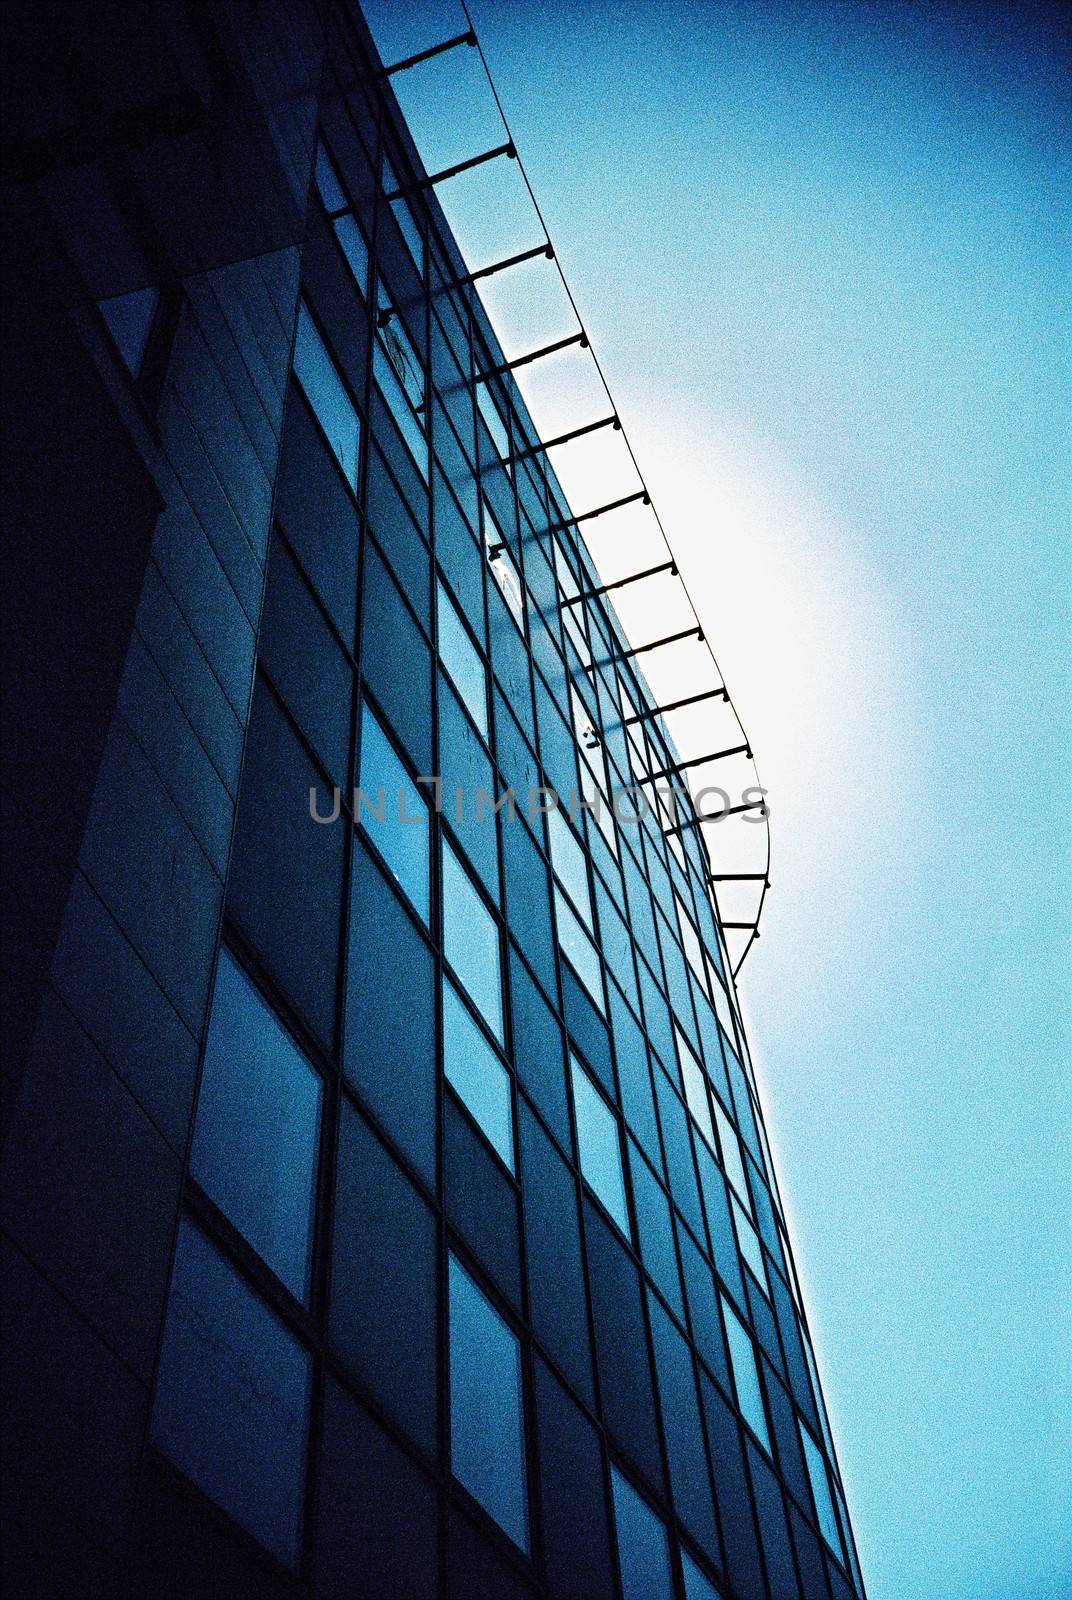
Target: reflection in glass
[
  {"x": 487, "y": 1430},
  {"x": 471, "y": 941},
  {"x": 745, "y": 1374},
  {"x": 462, "y": 659},
  {"x": 578, "y": 948},
  {"x": 598, "y": 1146},
  {"x": 474, "y": 1070},
  {"x": 232, "y": 1397},
  {"x": 327, "y": 394},
  {"x": 393, "y": 812},
  {"x": 643, "y": 1555},
  {"x": 257, "y": 1127}
]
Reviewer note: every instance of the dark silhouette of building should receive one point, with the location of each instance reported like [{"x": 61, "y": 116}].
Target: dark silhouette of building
[{"x": 386, "y": 1209}]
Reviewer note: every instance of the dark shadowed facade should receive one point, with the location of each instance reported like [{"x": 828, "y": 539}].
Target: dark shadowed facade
[{"x": 386, "y": 1206}]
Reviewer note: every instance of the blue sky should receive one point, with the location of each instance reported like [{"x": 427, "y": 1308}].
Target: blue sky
[{"x": 823, "y": 254}]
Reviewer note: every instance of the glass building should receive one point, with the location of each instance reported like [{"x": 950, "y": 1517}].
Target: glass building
[{"x": 386, "y": 1204}]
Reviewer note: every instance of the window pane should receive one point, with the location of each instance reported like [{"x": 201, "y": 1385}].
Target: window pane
[
  {"x": 691, "y": 943},
  {"x": 599, "y": 1147},
  {"x": 580, "y": 950},
  {"x": 475, "y": 1071},
  {"x": 462, "y": 659},
  {"x": 748, "y": 1239},
  {"x": 492, "y": 420},
  {"x": 567, "y": 859},
  {"x": 257, "y": 1128},
  {"x": 731, "y": 1153},
  {"x": 401, "y": 834},
  {"x": 232, "y": 1397},
  {"x": 643, "y": 1556},
  {"x": 399, "y": 404},
  {"x": 820, "y": 1488},
  {"x": 326, "y": 393},
  {"x": 328, "y": 186},
  {"x": 697, "y": 1587},
  {"x": 471, "y": 941},
  {"x": 353, "y": 246},
  {"x": 695, "y": 1087},
  {"x": 404, "y": 217},
  {"x": 745, "y": 1374},
  {"x": 487, "y": 1445},
  {"x": 129, "y": 318}
]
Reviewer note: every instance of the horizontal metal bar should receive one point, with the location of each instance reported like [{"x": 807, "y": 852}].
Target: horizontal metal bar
[
  {"x": 567, "y": 438},
  {"x": 533, "y": 355},
  {"x": 676, "y": 705},
  {"x": 744, "y": 927},
  {"x": 717, "y": 816},
  {"x": 698, "y": 761},
  {"x": 589, "y": 516},
  {"x": 671, "y": 638},
  {"x": 427, "y": 55},
  {"x": 452, "y": 172},
  {"x": 738, "y": 877},
  {"x": 620, "y": 583},
  {"x": 546, "y": 250}
]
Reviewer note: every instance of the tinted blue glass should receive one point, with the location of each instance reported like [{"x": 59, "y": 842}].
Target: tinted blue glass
[
  {"x": 400, "y": 408},
  {"x": 475, "y": 1071},
  {"x": 353, "y": 246},
  {"x": 401, "y": 834},
  {"x": 257, "y": 1127},
  {"x": 487, "y": 1444},
  {"x": 599, "y": 1147},
  {"x": 578, "y": 948},
  {"x": 328, "y": 186},
  {"x": 748, "y": 1239},
  {"x": 129, "y": 318},
  {"x": 327, "y": 394},
  {"x": 695, "y": 1087},
  {"x": 232, "y": 1397},
  {"x": 820, "y": 1488},
  {"x": 567, "y": 859},
  {"x": 731, "y": 1153},
  {"x": 643, "y": 1554},
  {"x": 471, "y": 941},
  {"x": 697, "y": 1587},
  {"x": 462, "y": 660},
  {"x": 745, "y": 1374}
]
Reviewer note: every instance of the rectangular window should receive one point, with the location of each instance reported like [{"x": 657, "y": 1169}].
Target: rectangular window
[
  {"x": 695, "y": 1087},
  {"x": 732, "y": 1164},
  {"x": 327, "y": 394},
  {"x": 393, "y": 813},
  {"x": 400, "y": 379},
  {"x": 231, "y": 1408},
  {"x": 353, "y": 246},
  {"x": 328, "y": 184},
  {"x": 257, "y": 1128},
  {"x": 751, "y": 1249},
  {"x": 690, "y": 943},
  {"x": 404, "y": 217},
  {"x": 492, "y": 420},
  {"x": 463, "y": 661},
  {"x": 578, "y": 949},
  {"x": 476, "y": 1074},
  {"x": 599, "y": 1149},
  {"x": 643, "y": 1552},
  {"x": 569, "y": 863},
  {"x": 745, "y": 1374},
  {"x": 471, "y": 941},
  {"x": 503, "y": 569},
  {"x": 487, "y": 1428},
  {"x": 820, "y": 1488}
]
